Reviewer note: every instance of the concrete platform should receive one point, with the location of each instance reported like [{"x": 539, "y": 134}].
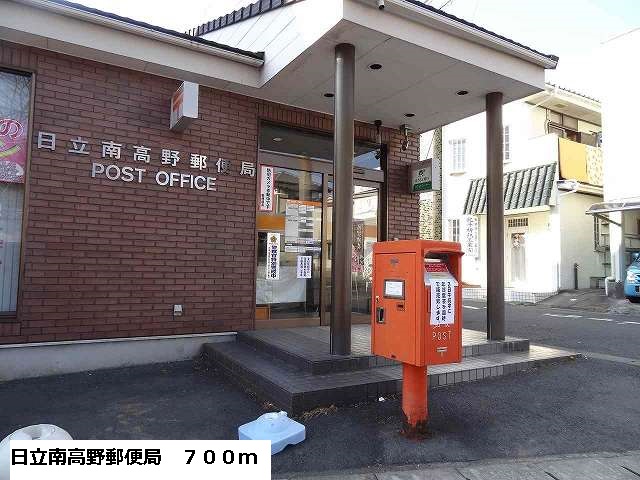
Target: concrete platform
[
  {"x": 308, "y": 347},
  {"x": 291, "y": 368}
]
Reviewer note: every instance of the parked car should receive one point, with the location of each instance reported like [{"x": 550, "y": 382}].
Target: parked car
[{"x": 632, "y": 281}]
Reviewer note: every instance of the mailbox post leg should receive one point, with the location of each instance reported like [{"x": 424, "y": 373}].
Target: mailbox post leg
[{"x": 414, "y": 399}]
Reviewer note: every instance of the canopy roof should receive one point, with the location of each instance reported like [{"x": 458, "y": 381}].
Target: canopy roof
[
  {"x": 616, "y": 206},
  {"x": 428, "y": 59}
]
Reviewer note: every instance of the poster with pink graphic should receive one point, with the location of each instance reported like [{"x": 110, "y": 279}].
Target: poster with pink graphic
[{"x": 13, "y": 150}]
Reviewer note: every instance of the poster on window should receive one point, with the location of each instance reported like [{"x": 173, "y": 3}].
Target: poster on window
[
  {"x": 304, "y": 266},
  {"x": 266, "y": 189},
  {"x": 302, "y": 226},
  {"x": 273, "y": 256},
  {"x": 357, "y": 252},
  {"x": 13, "y": 150},
  {"x": 471, "y": 238}
]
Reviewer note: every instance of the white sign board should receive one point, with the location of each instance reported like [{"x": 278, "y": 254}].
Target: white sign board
[
  {"x": 266, "y": 189},
  {"x": 394, "y": 289},
  {"x": 304, "y": 266},
  {"x": 273, "y": 256},
  {"x": 471, "y": 238},
  {"x": 443, "y": 288},
  {"x": 184, "y": 106},
  {"x": 443, "y": 302}
]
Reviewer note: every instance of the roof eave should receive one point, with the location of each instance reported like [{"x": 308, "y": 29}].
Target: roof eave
[
  {"x": 247, "y": 58},
  {"x": 444, "y": 22}
]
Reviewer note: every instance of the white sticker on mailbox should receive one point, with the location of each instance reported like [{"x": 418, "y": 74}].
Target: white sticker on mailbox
[
  {"x": 443, "y": 305},
  {"x": 394, "y": 288}
]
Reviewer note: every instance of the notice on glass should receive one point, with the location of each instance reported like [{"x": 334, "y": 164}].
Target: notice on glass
[
  {"x": 299, "y": 230},
  {"x": 266, "y": 189},
  {"x": 304, "y": 266},
  {"x": 273, "y": 256},
  {"x": 442, "y": 301}
]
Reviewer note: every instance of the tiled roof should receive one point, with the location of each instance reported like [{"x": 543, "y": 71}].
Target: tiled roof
[
  {"x": 244, "y": 13},
  {"x": 155, "y": 28},
  {"x": 262, "y": 6},
  {"x": 560, "y": 87},
  {"x": 531, "y": 187}
]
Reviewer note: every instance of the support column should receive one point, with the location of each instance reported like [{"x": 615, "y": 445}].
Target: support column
[
  {"x": 618, "y": 249},
  {"x": 495, "y": 218},
  {"x": 343, "y": 139}
]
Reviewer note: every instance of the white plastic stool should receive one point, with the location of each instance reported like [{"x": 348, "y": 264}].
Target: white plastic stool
[
  {"x": 33, "y": 432},
  {"x": 275, "y": 426}
]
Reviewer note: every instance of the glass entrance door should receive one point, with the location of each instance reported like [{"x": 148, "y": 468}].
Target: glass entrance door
[
  {"x": 294, "y": 215},
  {"x": 366, "y": 208},
  {"x": 289, "y": 229}
]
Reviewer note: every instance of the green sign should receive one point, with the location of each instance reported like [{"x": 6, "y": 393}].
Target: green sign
[{"x": 421, "y": 177}]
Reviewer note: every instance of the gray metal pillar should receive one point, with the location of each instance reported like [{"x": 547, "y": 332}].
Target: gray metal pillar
[
  {"x": 343, "y": 139},
  {"x": 495, "y": 218}
]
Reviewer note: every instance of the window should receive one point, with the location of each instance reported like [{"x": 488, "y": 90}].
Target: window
[
  {"x": 518, "y": 222},
  {"x": 458, "y": 148},
  {"x": 315, "y": 145},
  {"x": 506, "y": 144},
  {"x": 15, "y": 91},
  {"x": 454, "y": 229}
]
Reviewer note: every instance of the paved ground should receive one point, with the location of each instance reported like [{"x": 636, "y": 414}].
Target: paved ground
[
  {"x": 591, "y": 300},
  {"x": 589, "y": 405},
  {"x": 582, "y": 406},
  {"x": 576, "y": 329},
  {"x": 601, "y": 466}
]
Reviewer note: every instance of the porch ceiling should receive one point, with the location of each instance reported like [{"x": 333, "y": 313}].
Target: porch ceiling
[{"x": 412, "y": 80}]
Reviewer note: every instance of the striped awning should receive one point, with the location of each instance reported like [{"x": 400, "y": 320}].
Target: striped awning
[{"x": 527, "y": 188}]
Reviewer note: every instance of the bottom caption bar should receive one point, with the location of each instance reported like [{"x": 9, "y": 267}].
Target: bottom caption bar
[{"x": 138, "y": 459}]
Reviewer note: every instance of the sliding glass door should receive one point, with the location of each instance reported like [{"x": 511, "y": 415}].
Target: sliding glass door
[{"x": 293, "y": 218}]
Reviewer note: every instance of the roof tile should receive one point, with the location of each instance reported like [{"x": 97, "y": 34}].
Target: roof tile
[{"x": 526, "y": 188}]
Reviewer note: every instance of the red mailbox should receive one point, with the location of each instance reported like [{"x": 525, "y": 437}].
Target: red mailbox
[{"x": 417, "y": 313}]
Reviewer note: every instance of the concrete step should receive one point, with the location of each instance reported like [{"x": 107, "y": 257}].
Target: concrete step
[
  {"x": 308, "y": 349},
  {"x": 296, "y": 390}
]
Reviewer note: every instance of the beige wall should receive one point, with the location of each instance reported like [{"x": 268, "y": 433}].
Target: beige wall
[{"x": 576, "y": 240}]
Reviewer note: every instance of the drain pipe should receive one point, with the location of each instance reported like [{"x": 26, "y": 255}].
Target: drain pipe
[{"x": 575, "y": 276}]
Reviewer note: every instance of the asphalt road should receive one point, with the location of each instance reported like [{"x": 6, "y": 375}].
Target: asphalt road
[
  {"x": 574, "y": 407},
  {"x": 575, "y": 329}
]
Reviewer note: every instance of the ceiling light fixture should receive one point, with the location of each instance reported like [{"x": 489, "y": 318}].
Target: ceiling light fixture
[
  {"x": 375, "y": 66},
  {"x": 462, "y": 92},
  {"x": 329, "y": 95},
  {"x": 277, "y": 139},
  {"x": 409, "y": 115}
]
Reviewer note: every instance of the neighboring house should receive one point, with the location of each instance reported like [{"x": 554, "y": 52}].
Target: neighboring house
[
  {"x": 621, "y": 207},
  {"x": 553, "y": 173}
]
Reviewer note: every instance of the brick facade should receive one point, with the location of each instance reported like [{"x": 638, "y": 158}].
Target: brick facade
[{"x": 105, "y": 259}]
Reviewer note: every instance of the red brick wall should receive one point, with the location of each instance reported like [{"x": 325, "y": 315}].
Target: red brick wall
[{"x": 109, "y": 259}]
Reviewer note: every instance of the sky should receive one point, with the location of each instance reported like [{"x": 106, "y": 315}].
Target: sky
[{"x": 570, "y": 29}]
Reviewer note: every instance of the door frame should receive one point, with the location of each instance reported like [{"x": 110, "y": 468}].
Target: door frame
[
  {"x": 361, "y": 176},
  {"x": 508, "y": 250}
]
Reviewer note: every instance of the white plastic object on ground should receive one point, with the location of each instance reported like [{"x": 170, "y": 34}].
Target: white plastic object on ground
[
  {"x": 33, "y": 432},
  {"x": 275, "y": 426}
]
